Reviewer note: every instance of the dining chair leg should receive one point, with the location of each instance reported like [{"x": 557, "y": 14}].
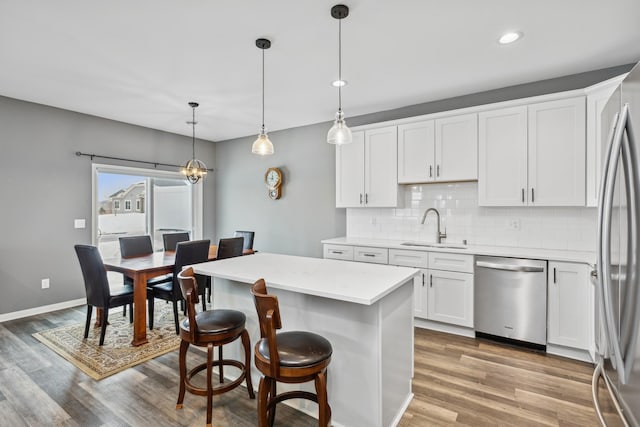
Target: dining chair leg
[
  {"x": 263, "y": 396},
  {"x": 220, "y": 367},
  {"x": 175, "y": 316},
  {"x": 105, "y": 316},
  {"x": 130, "y": 313},
  {"x": 182, "y": 362},
  {"x": 209, "y": 383},
  {"x": 86, "y": 326},
  {"x": 151, "y": 311},
  {"x": 323, "y": 404},
  {"x": 247, "y": 363}
]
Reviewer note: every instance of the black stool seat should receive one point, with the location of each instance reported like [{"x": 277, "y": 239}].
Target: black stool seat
[
  {"x": 298, "y": 349},
  {"x": 217, "y": 321}
]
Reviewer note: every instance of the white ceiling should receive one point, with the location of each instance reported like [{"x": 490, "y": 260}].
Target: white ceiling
[{"x": 141, "y": 61}]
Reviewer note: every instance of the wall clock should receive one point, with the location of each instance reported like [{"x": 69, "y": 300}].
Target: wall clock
[{"x": 273, "y": 180}]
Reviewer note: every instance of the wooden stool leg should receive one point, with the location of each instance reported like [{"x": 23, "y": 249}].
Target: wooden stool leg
[
  {"x": 323, "y": 404},
  {"x": 247, "y": 363},
  {"x": 263, "y": 395},
  {"x": 272, "y": 395},
  {"x": 209, "y": 384},
  {"x": 220, "y": 368},
  {"x": 182, "y": 360}
]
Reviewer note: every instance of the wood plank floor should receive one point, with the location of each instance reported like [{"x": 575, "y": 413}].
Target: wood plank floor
[{"x": 458, "y": 381}]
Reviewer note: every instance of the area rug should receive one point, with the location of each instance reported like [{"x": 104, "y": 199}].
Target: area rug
[{"x": 117, "y": 353}]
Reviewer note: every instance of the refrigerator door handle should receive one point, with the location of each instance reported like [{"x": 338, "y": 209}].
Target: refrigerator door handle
[{"x": 604, "y": 245}]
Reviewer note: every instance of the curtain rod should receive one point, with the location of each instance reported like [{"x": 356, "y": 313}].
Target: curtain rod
[{"x": 155, "y": 164}]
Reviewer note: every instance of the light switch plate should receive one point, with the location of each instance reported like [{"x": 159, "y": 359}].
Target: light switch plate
[{"x": 79, "y": 223}]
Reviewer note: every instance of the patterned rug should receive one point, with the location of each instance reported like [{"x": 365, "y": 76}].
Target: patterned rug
[{"x": 117, "y": 353}]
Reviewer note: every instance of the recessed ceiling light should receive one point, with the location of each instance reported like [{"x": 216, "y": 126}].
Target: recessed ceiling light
[
  {"x": 339, "y": 83},
  {"x": 510, "y": 37}
]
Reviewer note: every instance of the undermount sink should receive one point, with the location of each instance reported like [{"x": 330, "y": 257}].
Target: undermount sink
[{"x": 435, "y": 245}]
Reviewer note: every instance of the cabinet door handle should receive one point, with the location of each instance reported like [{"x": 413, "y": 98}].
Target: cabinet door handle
[
  {"x": 423, "y": 280},
  {"x": 533, "y": 196},
  {"x": 522, "y": 196},
  {"x": 438, "y": 170},
  {"x": 431, "y": 280},
  {"x": 430, "y": 171},
  {"x": 360, "y": 198},
  {"x": 366, "y": 198},
  {"x": 554, "y": 275}
]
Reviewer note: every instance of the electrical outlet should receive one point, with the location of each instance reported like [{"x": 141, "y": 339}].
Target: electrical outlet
[
  {"x": 373, "y": 220},
  {"x": 45, "y": 283},
  {"x": 513, "y": 224}
]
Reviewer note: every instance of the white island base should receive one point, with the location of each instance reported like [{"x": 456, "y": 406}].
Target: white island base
[{"x": 369, "y": 377}]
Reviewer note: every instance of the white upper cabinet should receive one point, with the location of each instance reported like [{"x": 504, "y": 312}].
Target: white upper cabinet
[
  {"x": 557, "y": 153},
  {"x": 416, "y": 152},
  {"x": 457, "y": 148},
  {"x": 502, "y": 158},
  {"x": 533, "y": 155},
  {"x": 597, "y": 131},
  {"x": 438, "y": 150},
  {"x": 366, "y": 169}
]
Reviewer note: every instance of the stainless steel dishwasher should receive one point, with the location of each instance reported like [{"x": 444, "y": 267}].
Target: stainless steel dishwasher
[{"x": 510, "y": 298}]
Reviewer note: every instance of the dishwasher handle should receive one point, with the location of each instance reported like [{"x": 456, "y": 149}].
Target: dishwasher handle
[{"x": 509, "y": 267}]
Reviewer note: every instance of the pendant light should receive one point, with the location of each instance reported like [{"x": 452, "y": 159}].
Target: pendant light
[
  {"x": 262, "y": 145},
  {"x": 339, "y": 132},
  {"x": 194, "y": 169}
]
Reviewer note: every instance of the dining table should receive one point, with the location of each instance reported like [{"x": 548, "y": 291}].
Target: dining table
[{"x": 140, "y": 270}]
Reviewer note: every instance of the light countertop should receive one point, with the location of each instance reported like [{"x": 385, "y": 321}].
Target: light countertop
[
  {"x": 584, "y": 257},
  {"x": 360, "y": 283}
]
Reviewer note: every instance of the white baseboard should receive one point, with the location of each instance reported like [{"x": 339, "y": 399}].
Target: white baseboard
[
  {"x": 402, "y": 410},
  {"x": 444, "y": 327},
  {"x": 40, "y": 310}
]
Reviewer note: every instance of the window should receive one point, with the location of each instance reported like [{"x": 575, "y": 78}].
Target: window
[{"x": 164, "y": 202}]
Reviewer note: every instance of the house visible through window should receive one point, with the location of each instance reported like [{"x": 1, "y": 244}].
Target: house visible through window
[
  {"x": 127, "y": 205},
  {"x": 137, "y": 205},
  {"x": 116, "y": 205}
]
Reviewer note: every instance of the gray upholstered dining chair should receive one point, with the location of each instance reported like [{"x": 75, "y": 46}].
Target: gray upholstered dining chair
[{"x": 170, "y": 240}]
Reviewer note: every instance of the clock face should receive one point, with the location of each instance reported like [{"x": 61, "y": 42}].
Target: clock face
[{"x": 273, "y": 179}]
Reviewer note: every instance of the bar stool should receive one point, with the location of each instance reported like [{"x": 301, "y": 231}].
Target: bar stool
[
  {"x": 210, "y": 329},
  {"x": 288, "y": 357}
]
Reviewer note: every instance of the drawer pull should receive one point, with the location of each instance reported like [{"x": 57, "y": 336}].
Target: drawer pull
[
  {"x": 337, "y": 252},
  {"x": 370, "y": 255}
]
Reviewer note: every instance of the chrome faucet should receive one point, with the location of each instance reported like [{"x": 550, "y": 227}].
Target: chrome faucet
[{"x": 440, "y": 235}]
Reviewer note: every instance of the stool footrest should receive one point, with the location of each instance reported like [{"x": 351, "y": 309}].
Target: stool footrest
[
  {"x": 218, "y": 389},
  {"x": 298, "y": 394}
]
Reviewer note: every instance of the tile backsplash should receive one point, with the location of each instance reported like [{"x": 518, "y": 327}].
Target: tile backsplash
[{"x": 571, "y": 228}]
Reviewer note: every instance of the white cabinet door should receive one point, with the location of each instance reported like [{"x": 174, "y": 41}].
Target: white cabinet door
[
  {"x": 350, "y": 173},
  {"x": 597, "y": 132},
  {"x": 502, "y": 158},
  {"x": 416, "y": 152},
  {"x": 457, "y": 148},
  {"x": 380, "y": 167},
  {"x": 556, "y": 152},
  {"x": 420, "y": 294},
  {"x": 450, "y": 297},
  {"x": 571, "y": 309}
]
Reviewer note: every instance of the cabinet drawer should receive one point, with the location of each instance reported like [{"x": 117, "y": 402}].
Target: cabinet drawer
[
  {"x": 451, "y": 262},
  {"x": 338, "y": 252},
  {"x": 405, "y": 258},
  {"x": 375, "y": 255}
]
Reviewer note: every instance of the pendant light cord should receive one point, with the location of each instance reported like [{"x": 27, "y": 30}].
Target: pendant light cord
[
  {"x": 340, "y": 64},
  {"x": 263, "y": 91},
  {"x": 193, "y": 134}
]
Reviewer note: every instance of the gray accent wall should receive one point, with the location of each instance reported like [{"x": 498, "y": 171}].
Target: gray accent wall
[
  {"x": 306, "y": 213},
  {"x": 45, "y": 186}
]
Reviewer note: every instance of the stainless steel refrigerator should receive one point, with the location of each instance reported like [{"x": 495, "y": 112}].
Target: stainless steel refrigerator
[{"x": 618, "y": 253}]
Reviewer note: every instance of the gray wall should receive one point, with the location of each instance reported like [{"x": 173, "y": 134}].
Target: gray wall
[
  {"x": 306, "y": 213},
  {"x": 45, "y": 187}
]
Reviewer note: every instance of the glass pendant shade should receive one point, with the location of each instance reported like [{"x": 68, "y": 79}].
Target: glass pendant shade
[
  {"x": 262, "y": 146},
  {"x": 339, "y": 133}
]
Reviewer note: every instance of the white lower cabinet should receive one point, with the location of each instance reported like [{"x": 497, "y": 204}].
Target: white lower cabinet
[
  {"x": 420, "y": 294},
  {"x": 570, "y": 306},
  {"x": 450, "y": 297}
]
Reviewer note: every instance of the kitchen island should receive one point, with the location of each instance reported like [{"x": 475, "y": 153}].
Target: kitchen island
[{"x": 364, "y": 310}]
